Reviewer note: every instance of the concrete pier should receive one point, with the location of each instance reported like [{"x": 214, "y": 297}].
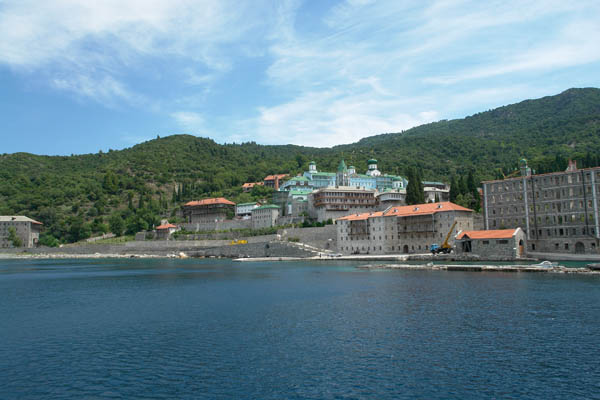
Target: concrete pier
[{"x": 559, "y": 269}]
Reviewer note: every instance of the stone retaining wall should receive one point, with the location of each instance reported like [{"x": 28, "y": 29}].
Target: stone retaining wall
[{"x": 323, "y": 238}]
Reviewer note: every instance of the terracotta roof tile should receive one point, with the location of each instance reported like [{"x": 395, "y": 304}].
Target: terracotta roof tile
[
  {"x": 490, "y": 234},
  {"x": 206, "y": 202},
  {"x": 362, "y": 216},
  {"x": 427, "y": 208},
  {"x": 273, "y": 177},
  {"x": 167, "y": 226}
]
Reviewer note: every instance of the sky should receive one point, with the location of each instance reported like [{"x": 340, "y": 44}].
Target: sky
[{"x": 82, "y": 76}]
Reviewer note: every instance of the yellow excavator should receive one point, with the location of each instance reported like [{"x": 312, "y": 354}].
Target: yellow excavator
[{"x": 445, "y": 248}]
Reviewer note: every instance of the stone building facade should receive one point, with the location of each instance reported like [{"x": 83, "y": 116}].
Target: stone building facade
[
  {"x": 265, "y": 216},
  {"x": 26, "y": 229},
  {"x": 492, "y": 244},
  {"x": 205, "y": 213},
  {"x": 405, "y": 229},
  {"x": 558, "y": 211},
  {"x": 336, "y": 202}
]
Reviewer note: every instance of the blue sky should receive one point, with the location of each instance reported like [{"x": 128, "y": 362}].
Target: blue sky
[{"x": 82, "y": 76}]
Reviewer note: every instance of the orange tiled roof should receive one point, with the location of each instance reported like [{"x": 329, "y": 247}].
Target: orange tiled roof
[
  {"x": 273, "y": 177},
  {"x": 359, "y": 217},
  {"x": 167, "y": 226},
  {"x": 491, "y": 234},
  {"x": 206, "y": 202},
  {"x": 252, "y": 184},
  {"x": 427, "y": 208}
]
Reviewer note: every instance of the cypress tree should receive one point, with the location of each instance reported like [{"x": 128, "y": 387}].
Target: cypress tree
[
  {"x": 410, "y": 188},
  {"x": 420, "y": 193},
  {"x": 453, "y": 189}
]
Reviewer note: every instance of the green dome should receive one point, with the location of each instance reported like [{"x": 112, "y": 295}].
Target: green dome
[
  {"x": 342, "y": 167},
  {"x": 372, "y": 161},
  {"x": 312, "y": 163}
]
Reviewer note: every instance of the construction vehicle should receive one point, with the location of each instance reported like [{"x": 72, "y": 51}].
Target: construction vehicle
[
  {"x": 445, "y": 248},
  {"x": 239, "y": 241}
]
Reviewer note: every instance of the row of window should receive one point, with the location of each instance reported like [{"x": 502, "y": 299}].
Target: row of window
[{"x": 556, "y": 180}]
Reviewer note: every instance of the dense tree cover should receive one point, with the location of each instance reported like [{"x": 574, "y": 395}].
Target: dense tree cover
[
  {"x": 414, "y": 189},
  {"x": 463, "y": 191},
  {"x": 84, "y": 195}
]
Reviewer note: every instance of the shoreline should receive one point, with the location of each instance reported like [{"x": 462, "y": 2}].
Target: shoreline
[
  {"x": 514, "y": 268},
  {"x": 51, "y": 256}
]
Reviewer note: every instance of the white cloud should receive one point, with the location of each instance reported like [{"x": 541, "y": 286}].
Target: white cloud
[
  {"x": 112, "y": 37},
  {"x": 192, "y": 122},
  {"x": 105, "y": 90},
  {"x": 328, "y": 118},
  {"x": 382, "y": 66}
]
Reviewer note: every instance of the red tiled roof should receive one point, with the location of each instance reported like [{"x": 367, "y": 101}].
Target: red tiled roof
[
  {"x": 252, "y": 184},
  {"x": 273, "y": 177},
  {"x": 167, "y": 226},
  {"x": 359, "y": 217},
  {"x": 491, "y": 234},
  {"x": 206, "y": 202},
  {"x": 427, "y": 208}
]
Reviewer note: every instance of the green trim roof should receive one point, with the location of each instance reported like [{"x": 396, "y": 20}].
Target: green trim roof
[
  {"x": 299, "y": 179},
  {"x": 323, "y": 174},
  {"x": 267, "y": 206},
  {"x": 247, "y": 204},
  {"x": 300, "y": 192},
  {"x": 432, "y": 183}
]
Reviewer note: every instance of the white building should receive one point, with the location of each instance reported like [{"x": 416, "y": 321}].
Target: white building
[{"x": 244, "y": 210}]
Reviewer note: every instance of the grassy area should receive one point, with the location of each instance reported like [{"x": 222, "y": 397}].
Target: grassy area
[{"x": 114, "y": 240}]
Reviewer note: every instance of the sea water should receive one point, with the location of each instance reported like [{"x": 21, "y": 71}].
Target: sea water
[{"x": 189, "y": 329}]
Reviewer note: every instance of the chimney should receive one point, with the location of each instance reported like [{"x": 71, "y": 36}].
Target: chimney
[{"x": 572, "y": 166}]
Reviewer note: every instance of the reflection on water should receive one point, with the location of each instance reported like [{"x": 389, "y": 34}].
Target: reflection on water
[{"x": 217, "y": 329}]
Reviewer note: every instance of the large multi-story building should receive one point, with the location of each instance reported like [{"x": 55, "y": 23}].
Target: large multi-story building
[
  {"x": 336, "y": 202},
  {"x": 265, "y": 216},
  {"x": 208, "y": 211},
  {"x": 346, "y": 176},
  {"x": 26, "y": 229},
  {"x": 558, "y": 211},
  {"x": 405, "y": 229}
]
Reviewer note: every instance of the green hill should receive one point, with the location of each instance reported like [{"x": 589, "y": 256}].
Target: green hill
[{"x": 74, "y": 196}]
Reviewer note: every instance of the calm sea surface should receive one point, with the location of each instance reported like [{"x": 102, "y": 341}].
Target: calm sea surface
[{"x": 187, "y": 329}]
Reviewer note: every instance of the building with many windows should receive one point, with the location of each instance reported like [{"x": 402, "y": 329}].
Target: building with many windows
[
  {"x": 208, "y": 211},
  {"x": 265, "y": 216},
  {"x": 347, "y": 176},
  {"x": 244, "y": 210},
  {"x": 405, "y": 229},
  {"x": 336, "y": 202},
  {"x": 558, "y": 211},
  {"x": 26, "y": 229}
]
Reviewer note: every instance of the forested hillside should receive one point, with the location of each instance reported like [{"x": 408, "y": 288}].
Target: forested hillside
[{"x": 78, "y": 195}]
